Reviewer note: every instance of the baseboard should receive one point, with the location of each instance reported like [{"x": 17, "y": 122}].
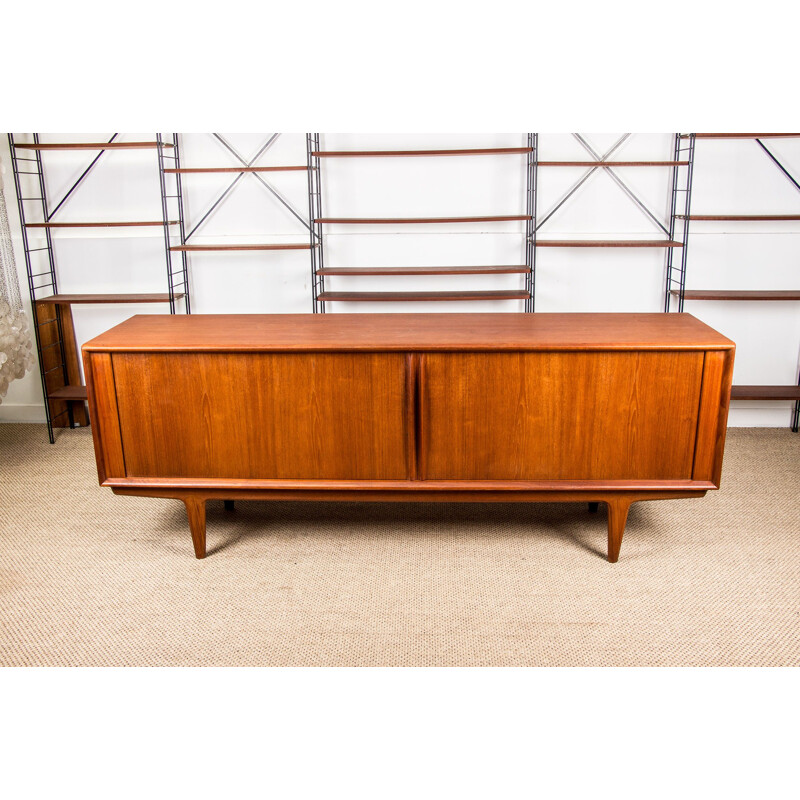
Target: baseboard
[{"x": 22, "y": 412}]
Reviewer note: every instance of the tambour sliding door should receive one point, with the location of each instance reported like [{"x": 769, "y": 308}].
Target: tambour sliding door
[{"x": 559, "y": 415}]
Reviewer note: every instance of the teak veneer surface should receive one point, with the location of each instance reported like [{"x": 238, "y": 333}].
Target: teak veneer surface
[
  {"x": 480, "y": 151},
  {"x": 100, "y": 299},
  {"x": 740, "y": 294},
  {"x": 611, "y": 408},
  {"x": 472, "y": 270},
  {"x": 442, "y": 295},
  {"x": 743, "y": 392},
  {"x": 549, "y": 397},
  {"x": 91, "y": 145},
  {"x": 612, "y": 163},
  {"x": 316, "y": 416},
  {"x": 416, "y": 220},
  {"x": 741, "y": 135},
  {"x": 607, "y": 243},
  {"x": 408, "y": 332}
]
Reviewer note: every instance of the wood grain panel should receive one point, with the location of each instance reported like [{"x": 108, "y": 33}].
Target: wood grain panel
[
  {"x": 80, "y": 414},
  {"x": 409, "y": 332},
  {"x": 560, "y": 416},
  {"x": 713, "y": 416},
  {"x": 50, "y": 354},
  {"x": 103, "y": 409},
  {"x": 234, "y": 415}
]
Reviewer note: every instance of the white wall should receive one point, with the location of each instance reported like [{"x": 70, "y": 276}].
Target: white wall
[{"x": 730, "y": 177}]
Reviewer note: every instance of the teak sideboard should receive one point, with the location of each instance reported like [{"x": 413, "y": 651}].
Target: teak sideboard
[{"x": 598, "y": 408}]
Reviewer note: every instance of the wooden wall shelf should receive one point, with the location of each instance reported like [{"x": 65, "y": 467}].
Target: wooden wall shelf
[
  {"x": 749, "y": 294},
  {"x": 414, "y": 220},
  {"x": 158, "y": 224},
  {"x": 479, "y": 151},
  {"x": 86, "y": 299},
  {"x": 739, "y": 217},
  {"x": 607, "y": 243},
  {"x": 209, "y": 170},
  {"x": 741, "y": 135},
  {"x": 514, "y": 294},
  {"x": 765, "y": 393},
  {"x": 422, "y": 270},
  {"x": 68, "y": 393},
  {"x": 89, "y": 146},
  {"x": 205, "y": 248},
  {"x": 613, "y": 163}
]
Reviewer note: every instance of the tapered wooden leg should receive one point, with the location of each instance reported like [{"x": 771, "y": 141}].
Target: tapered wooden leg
[
  {"x": 593, "y": 508},
  {"x": 228, "y": 505},
  {"x": 617, "y": 516},
  {"x": 196, "y": 509}
]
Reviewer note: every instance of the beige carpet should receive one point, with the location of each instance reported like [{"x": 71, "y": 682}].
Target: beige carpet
[{"x": 89, "y": 578}]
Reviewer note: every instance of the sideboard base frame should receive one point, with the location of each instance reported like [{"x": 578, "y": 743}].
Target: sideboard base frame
[{"x": 618, "y": 502}]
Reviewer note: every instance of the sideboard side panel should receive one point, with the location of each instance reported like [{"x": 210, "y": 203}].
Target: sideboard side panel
[
  {"x": 325, "y": 416},
  {"x": 561, "y": 416},
  {"x": 104, "y": 415},
  {"x": 713, "y": 415}
]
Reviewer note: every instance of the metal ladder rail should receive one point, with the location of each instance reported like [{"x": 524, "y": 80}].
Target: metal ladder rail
[
  {"x": 33, "y": 285},
  {"x": 182, "y": 272},
  {"x": 532, "y": 169},
  {"x": 680, "y": 210},
  {"x": 315, "y": 213}
]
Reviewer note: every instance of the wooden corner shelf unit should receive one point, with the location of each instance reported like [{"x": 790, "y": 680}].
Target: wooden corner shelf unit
[{"x": 594, "y": 408}]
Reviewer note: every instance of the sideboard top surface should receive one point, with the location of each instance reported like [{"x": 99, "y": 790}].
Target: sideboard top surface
[{"x": 421, "y": 332}]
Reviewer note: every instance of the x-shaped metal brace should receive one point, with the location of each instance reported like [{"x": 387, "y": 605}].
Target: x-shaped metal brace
[
  {"x": 241, "y": 175},
  {"x": 613, "y": 175}
]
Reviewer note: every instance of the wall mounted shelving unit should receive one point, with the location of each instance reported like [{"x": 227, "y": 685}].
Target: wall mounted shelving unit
[
  {"x": 319, "y": 271},
  {"x": 674, "y": 238},
  {"x": 59, "y": 362},
  {"x": 171, "y": 172},
  {"x": 677, "y": 293}
]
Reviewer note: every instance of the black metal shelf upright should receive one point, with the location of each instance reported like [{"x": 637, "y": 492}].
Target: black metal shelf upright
[
  {"x": 676, "y": 275},
  {"x": 169, "y": 165},
  {"x": 680, "y": 216},
  {"x": 319, "y": 271},
  {"x": 57, "y": 349}
]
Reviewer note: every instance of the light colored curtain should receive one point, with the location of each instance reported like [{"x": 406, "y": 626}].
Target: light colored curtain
[{"x": 16, "y": 345}]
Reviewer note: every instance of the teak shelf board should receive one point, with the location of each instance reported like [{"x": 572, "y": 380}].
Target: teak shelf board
[
  {"x": 738, "y": 217},
  {"x": 200, "y": 248},
  {"x": 74, "y": 299},
  {"x": 607, "y": 243},
  {"x": 741, "y": 135},
  {"x": 765, "y": 392},
  {"x": 68, "y": 393},
  {"x": 739, "y": 294},
  {"x": 613, "y": 163},
  {"x": 183, "y": 170},
  {"x": 475, "y": 151},
  {"x": 422, "y": 332},
  {"x": 475, "y": 270},
  {"x": 516, "y": 294},
  {"x": 98, "y": 224},
  {"x": 414, "y": 220},
  {"x": 90, "y": 145}
]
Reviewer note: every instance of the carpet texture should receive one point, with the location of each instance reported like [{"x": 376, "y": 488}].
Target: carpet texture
[{"x": 91, "y": 579}]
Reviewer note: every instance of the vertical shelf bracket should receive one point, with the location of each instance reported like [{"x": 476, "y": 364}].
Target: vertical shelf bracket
[
  {"x": 315, "y": 228},
  {"x": 680, "y": 212}
]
